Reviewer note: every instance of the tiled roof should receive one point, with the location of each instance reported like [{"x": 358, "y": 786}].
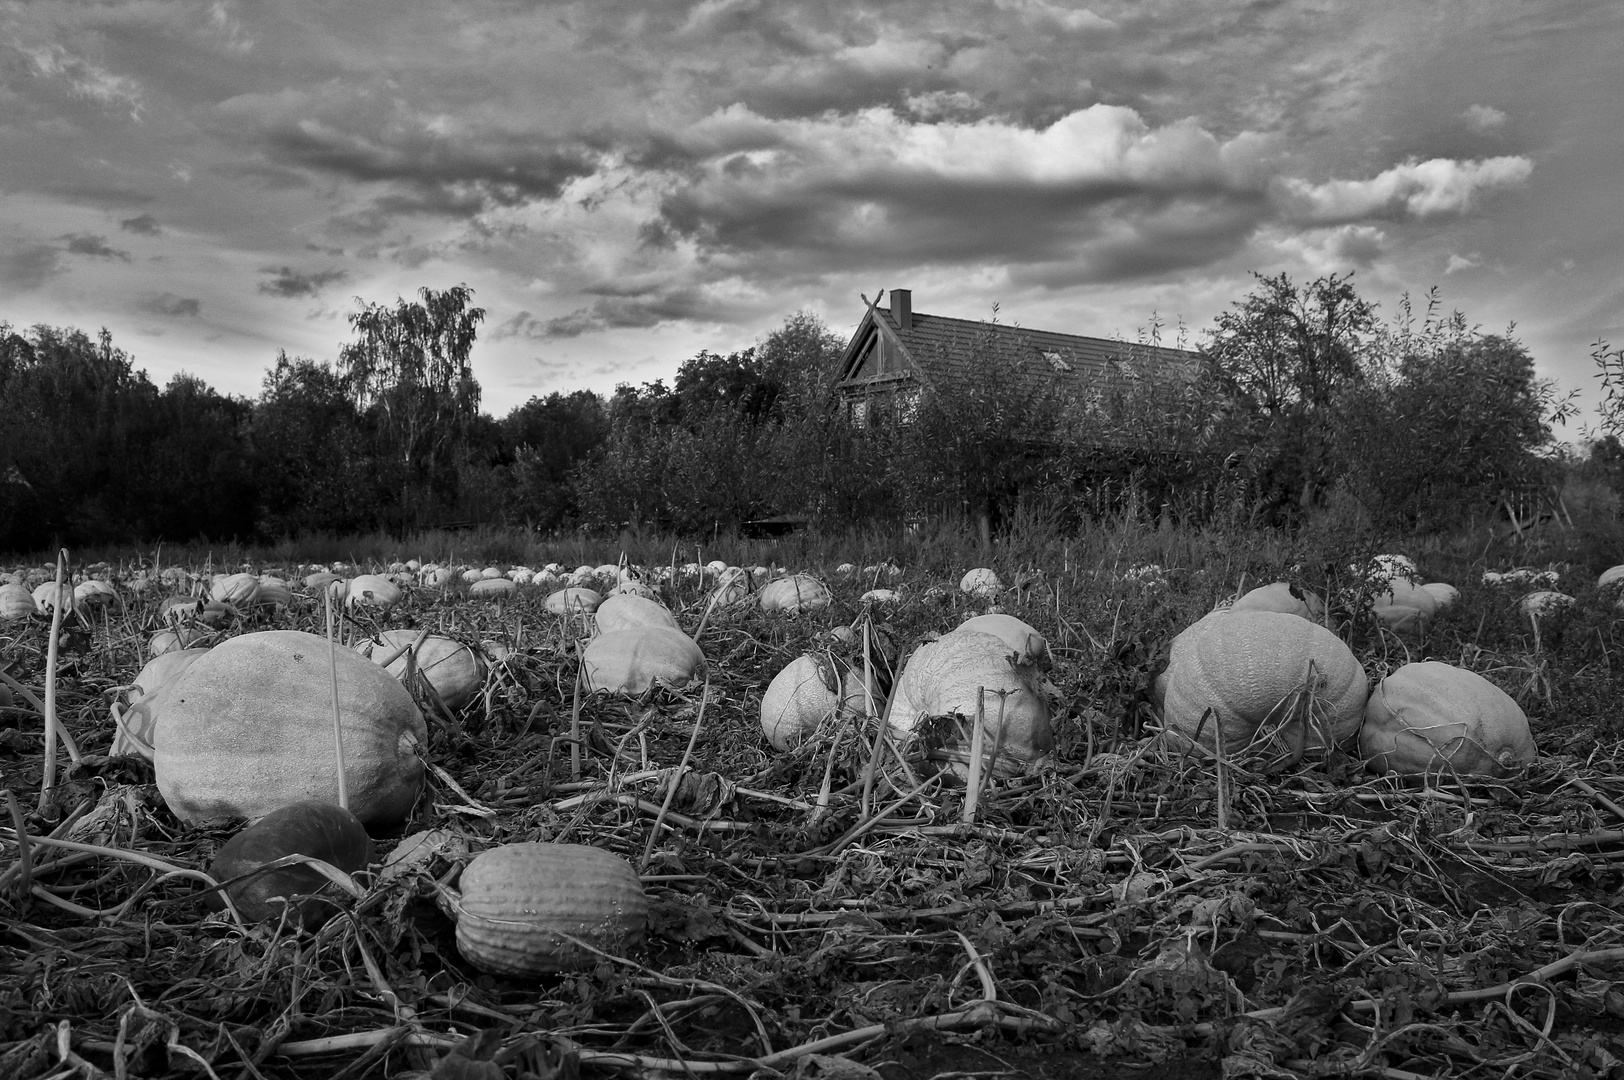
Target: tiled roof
[{"x": 947, "y": 352}]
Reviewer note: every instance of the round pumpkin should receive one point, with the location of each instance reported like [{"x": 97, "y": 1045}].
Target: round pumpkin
[
  {"x": 945, "y": 677},
  {"x": 249, "y": 728},
  {"x": 49, "y": 595},
  {"x": 181, "y": 637},
  {"x": 372, "y": 590},
  {"x": 519, "y": 901},
  {"x": 807, "y": 691},
  {"x": 149, "y": 696},
  {"x": 1444, "y": 595},
  {"x": 1545, "y": 602},
  {"x": 456, "y": 671},
  {"x": 16, "y": 602},
  {"x": 321, "y": 830},
  {"x": 496, "y": 588},
  {"x": 1242, "y": 664},
  {"x": 238, "y": 590},
  {"x": 273, "y": 592},
  {"x": 574, "y": 599},
  {"x": 621, "y": 610},
  {"x": 1281, "y": 596},
  {"x": 795, "y": 594},
  {"x": 630, "y": 660},
  {"x": 1613, "y": 575},
  {"x": 1403, "y": 605},
  {"x": 93, "y": 594},
  {"x": 981, "y": 583},
  {"x": 1430, "y": 717}
]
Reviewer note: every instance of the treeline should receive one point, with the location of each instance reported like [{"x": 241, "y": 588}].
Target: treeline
[{"x": 1298, "y": 392}]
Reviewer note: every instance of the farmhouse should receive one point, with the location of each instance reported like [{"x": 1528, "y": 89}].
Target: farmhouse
[{"x": 897, "y": 351}]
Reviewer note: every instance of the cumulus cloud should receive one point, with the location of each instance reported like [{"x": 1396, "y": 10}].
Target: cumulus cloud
[
  {"x": 1419, "y": 189},
  {"x": 94, "y": 246},
  {"x": 522, "y": 325},
  {"x": 171, "y": 306},
  {"x": 1485, "y": 118},
  {"x": 891, "y": 189},
  {"x": 1335, "y": 250},
  {"x": 287, "y": 282},
  {"x": 146, "y": 225},
  {"x": 1458, "y": 263}
]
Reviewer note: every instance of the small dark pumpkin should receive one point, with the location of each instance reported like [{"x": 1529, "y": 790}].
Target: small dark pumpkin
[{"x": 321, "y": 830}]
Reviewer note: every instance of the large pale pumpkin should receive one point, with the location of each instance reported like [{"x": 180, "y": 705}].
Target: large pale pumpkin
[
  {"x": 981, "y": 583},
  {"x": 630, "y": 660},
  {"x": 249, "y": 728},
  {"x": 1436, "y": 718},
  {"x": 945, "y": 677},
  {"x": 794, "y": 594},
  {"x": 809, "y": 690},
  {"x": 621, "y": 610},
  {"x": 1243, "y": 664},
  {"x": 456, "y": 671},
  {"x": 238, "y": 590},
  {"x": 521, "y": 904}
]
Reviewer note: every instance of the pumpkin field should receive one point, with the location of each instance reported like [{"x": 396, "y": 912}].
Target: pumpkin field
[{"x": 1132, "y": 801}]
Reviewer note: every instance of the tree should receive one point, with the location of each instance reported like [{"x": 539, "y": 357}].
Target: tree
[
  {"x": 1282, "y": 358},
  {"x": 410, "y": 371},
  {"x": 314, "y": 465},
  {"x": 550, "y": 437},
  {"x": 1461, "y": 425}
]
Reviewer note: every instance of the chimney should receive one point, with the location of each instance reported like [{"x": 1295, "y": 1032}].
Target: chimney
[{"x": 902, "y": 307}]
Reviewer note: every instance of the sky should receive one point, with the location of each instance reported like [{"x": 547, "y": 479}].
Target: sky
[{"x": 623, "y": 183}]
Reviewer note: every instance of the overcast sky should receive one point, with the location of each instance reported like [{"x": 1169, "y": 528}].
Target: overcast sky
[{"x": 624, "y": 183}]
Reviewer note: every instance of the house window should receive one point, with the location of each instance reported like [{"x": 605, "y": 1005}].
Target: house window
[
  {"x": 907, "y": 405},
  {"x": 859, "y": 412},
  {"x": 1056, "y": 361}
]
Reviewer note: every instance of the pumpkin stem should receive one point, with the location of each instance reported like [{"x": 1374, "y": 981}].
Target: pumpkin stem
[
  {"x": 338, "y": 725},
  {"x": 52, "y": 723}
]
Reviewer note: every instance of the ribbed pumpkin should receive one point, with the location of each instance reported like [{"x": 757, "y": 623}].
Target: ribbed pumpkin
[
  {"x": 1020, "y": 636},
  {"x": 1442, "y": 593},
  {"x": 372, "y": 590},
  {"x": 238, "y": 590},
  {"x": 1242, "y": 664},
  {"x": 249, "y": 728},
  {"x": 149, "y": 695},
  {"x": 1436, "y": 718},
  {"x": 496, "y": 588},
  {"x": 518, "y": 901},
  {"x": 806, "y": 692},
  {"x": 944, "y": 678},
  {"x": 1281, "y": 596},
  {"x": 16, "y": 602},
  {"x": 1404, "y": 605},
  {"x": 622, "y": 610},
  {"x": 795, "y": 594},
  {"x": 48, "y": 595},
  {"x": 456, "y": 671},
  {"x": 181, "y": 637},
  {"x": 630, "y": 660},
  {"x": 93, "y": 594},
  {"x": 273, "y": 592},
  {"x": 321, "y": 830},
  {"x": 574, "y": 599}
]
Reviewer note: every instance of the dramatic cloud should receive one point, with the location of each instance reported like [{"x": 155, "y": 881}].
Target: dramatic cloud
[
  {"x": 1416, "y": 189},
  {"x": 172, "y": 306},
  {"x": 288, "y": 282},
  {"x": 146, "y": 225},
  {"x": 85, "y": 79},
  {"x": 96, "y": 246}
]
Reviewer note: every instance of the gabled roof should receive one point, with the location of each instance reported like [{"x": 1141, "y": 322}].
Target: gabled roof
[{"x": 943, "y": 352}]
